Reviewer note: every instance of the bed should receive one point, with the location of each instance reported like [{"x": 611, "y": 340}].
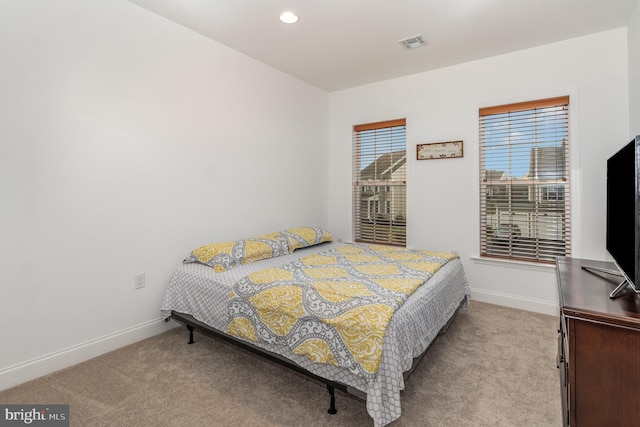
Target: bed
[{"x": 199, "y": 297}]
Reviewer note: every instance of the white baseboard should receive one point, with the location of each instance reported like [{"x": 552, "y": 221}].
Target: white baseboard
[
  {"x": 34, "y": 368},
  {"x": 538, "y": 306}
]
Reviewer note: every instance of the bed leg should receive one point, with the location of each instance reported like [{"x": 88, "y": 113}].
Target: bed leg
[
  {"x": 190, "y": 328},
  {"x": 332, "y": 409}
]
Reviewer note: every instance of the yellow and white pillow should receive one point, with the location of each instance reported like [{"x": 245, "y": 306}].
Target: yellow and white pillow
[
  {"x": 226, "y": 255},
  {"x": 223, "y": 256},
  {"x": 303, "y": 237}
]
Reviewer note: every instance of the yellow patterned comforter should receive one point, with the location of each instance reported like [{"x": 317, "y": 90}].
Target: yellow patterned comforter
[{"x": 332, "y": 307}]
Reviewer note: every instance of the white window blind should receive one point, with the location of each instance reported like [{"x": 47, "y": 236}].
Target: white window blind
[
  {"x": 525, "y": 195},
  {"x": 379, "y": 182}
]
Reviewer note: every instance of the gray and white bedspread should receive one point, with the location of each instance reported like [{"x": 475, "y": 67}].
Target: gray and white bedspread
[{"x": 198, "y": 290}]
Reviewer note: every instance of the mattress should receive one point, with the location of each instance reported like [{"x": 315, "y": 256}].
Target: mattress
[{"x": 199, "y": 291}]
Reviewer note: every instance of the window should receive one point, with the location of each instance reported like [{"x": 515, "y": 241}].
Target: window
[
  {"x": 379, "y": 182},
  {"x": 524, "y": 182}
]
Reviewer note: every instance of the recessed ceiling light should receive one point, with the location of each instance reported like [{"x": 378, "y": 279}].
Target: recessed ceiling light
[{"x": 288, "y": 17}]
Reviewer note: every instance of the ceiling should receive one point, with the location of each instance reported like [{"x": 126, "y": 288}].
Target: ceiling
[{"x": 338, "y": 44}]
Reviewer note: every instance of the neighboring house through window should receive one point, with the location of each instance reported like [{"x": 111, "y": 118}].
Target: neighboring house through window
[
  {"x": 525, "y": 180},
  {"x": 379, "y": 182}
]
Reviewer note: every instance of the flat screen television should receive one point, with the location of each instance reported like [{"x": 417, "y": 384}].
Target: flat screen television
[
  {"x": 623, "y": 216},
  {"x": 623, "y": 210}
]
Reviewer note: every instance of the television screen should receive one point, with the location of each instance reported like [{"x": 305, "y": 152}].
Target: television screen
[{"x": 622, "y": 211}]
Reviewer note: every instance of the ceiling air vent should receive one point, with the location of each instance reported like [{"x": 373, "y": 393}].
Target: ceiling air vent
[{"x": 413, "y": 42}]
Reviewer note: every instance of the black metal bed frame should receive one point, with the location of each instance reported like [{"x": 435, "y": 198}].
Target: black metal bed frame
[{"x": 192, "y": 324}]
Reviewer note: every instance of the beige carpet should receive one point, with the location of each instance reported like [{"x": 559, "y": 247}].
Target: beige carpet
[{"x": 495, "y": 366}]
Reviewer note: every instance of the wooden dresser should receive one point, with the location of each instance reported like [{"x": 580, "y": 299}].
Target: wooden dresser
[{"x": 598, "y": 347}]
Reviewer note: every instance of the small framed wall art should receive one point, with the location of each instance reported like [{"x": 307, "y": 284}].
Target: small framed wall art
[{"x": 439, "y": 150}]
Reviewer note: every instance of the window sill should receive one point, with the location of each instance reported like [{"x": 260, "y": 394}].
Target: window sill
[{"x": 524, "y": 265}]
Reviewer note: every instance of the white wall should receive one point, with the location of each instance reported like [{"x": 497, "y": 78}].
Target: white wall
[
  {"x": 125, "y": 142},
  {"x": 634, "y": 73},
  {"x": 442, "y": 105}
]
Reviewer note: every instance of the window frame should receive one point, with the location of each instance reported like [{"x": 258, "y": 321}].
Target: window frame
[
  {"x": 549, "y": 193},
  {"x": 379, "y": 141}
]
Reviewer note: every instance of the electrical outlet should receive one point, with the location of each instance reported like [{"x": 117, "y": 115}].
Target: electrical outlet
[{"x": 139, "y": 281}]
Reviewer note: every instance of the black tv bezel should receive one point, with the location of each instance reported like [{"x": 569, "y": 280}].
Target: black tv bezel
[{"x": 632, "y": 282}]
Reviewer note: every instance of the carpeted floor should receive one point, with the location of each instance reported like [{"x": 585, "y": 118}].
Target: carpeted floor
[{"x": 495, "y": 366}]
